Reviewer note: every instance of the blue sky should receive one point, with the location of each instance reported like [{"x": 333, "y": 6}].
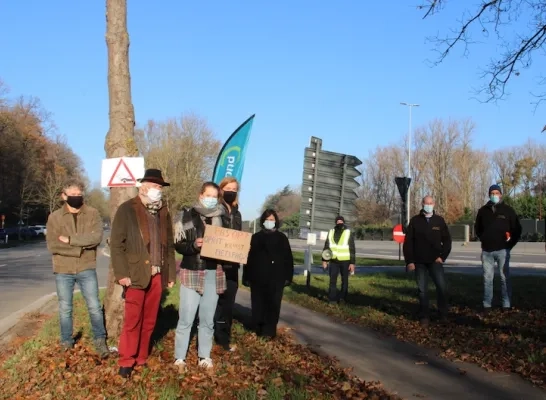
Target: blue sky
[{"x": 336, "y": 70}]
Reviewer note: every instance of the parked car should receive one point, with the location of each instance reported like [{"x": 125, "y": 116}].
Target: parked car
[
  {"x": 28, "y": 233},
  {"x": 24, "y": 232},
  {"x": 41, "y": 230}
]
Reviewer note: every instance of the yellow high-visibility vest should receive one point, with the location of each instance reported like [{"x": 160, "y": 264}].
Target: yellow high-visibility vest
[{"x": 340, "y": 251}]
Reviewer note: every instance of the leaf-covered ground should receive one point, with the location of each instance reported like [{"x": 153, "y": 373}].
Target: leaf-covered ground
[
  {"x": 514, "y": 341},
  {"x": 280, "y": 369}
]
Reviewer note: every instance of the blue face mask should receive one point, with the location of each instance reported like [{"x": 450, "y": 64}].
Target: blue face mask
[
  {"x": 209, "y": 202},
  {"x": 269, "y": 224},
  {"x": 428, "y": 208},
  {"x": 494, "y": 198}
]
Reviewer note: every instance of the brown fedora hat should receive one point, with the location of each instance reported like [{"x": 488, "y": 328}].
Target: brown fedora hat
[{"x": 154, "y": 176}]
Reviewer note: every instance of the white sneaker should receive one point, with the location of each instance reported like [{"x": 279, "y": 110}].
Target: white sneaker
[
  {"x": 181, "y": 364},
  {"x": 206, "y": 363}
]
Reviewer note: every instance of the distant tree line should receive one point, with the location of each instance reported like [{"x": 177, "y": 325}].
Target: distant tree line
[
  {"x": 34, "y": 160},
  {"x": 445, "y": 164}
]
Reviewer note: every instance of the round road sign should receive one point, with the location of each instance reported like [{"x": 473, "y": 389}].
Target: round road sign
[{"x": 398, "y": 234}]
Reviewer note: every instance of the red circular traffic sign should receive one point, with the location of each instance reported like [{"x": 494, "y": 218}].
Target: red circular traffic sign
[{"x": 398, "y": 234}]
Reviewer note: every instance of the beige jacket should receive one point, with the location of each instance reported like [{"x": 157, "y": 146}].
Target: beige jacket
[{"x": 80, "y": 253}]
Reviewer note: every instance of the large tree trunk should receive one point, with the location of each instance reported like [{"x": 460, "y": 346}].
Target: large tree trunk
[{"x": 120, "y": 140}]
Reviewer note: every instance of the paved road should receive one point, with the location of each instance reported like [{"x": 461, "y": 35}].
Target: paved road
[
  {"x": 26, "y": 272},
  {"x": 26, "y": 275},
  {"x": 524, "y": 254}
]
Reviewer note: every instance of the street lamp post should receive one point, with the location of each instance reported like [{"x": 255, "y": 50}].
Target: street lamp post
[{"x": 410, "y": 106}]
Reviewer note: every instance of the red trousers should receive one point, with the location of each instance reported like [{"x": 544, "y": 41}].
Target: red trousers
[{"x": 141, "y": 308}]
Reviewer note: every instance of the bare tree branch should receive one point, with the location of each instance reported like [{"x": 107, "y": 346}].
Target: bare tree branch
[{"x": 519, "y": 46}]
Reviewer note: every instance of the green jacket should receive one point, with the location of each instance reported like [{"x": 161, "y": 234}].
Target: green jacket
[{"x": 81, "y": 252}]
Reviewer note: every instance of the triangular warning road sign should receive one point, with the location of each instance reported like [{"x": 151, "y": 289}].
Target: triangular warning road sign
[{"x": 122, "y": 176}]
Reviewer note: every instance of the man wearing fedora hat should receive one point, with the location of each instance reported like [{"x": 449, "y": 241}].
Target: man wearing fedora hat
[{"x": 142, "y": 254}]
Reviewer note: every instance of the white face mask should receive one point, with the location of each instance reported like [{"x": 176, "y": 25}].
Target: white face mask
[
  {"x": 269, "y": 224},
  {"x": 154, "y": 195}
]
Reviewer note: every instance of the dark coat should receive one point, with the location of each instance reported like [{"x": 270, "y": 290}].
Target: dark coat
[
  {"x": 493, "y": 221},
  {"x": 425, "y": 241},
  {"x": 235, "y": 222},
  {"x": 270, "y": 260},
  {"x": 130, "y": 245},
  {"x": 186, "y": 245}
]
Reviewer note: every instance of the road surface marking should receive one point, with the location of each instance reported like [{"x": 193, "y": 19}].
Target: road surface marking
[
  {"x": 385, "y": 252},
  {"x": 3, "y": 265},
  {"x": 471, "y": 257}
]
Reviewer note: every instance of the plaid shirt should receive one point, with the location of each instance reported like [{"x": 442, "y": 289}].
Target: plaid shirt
[{"x": 195, "y": 280}]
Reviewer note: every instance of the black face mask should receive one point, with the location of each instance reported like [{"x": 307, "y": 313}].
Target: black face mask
[
  {"x": 229, "y": 197},
  {"x": 340, "y": 226},
  {"x": 74, "y": 201}
]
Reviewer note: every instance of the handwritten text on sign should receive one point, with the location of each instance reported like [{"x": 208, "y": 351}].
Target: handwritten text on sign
[{"x": 226, "y": 244}]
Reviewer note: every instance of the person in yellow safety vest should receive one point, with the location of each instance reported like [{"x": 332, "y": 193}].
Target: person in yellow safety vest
[{"x": 341, "y": 243}]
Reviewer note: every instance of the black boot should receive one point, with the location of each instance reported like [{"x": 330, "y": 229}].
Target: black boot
[{"x": 125, "y": 372}]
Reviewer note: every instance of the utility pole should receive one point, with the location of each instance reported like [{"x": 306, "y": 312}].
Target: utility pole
[{"x": 408, "y": 201}]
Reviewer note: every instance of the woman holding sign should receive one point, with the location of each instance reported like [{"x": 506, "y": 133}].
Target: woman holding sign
[
  {"x": 229, "y": 188},
  {"x": 269, "y": 268},
  {"x": 201, "y": 279}
]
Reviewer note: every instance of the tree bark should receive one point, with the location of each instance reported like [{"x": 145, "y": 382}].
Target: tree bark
[{"x": 120, "y": 139}]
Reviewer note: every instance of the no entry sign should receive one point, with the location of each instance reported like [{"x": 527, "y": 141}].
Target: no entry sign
[{"x": 398, "y": 234}]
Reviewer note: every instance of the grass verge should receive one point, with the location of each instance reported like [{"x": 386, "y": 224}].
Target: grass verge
[
  {"x": 513, "y": 341},
  {"x": 259, "y": 369},
  {"x": 360, "y": 261}
]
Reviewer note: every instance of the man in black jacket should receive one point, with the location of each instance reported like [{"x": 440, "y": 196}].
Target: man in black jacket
[
  {"x": 426, "y": 247},
  {"x": 341, "y": 243},
  {"x": 499, "y": 230}
]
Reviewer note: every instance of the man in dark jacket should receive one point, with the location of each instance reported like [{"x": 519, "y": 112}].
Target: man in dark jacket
[
  {"x": 426, "y": 247},
  {"x": 142, "y": 254},
  {"x": 499, "y": 230},
  {"x": 340, "y": 241}
]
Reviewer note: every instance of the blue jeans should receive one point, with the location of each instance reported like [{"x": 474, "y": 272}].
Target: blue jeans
[
  {"x": 190, "y": 301},
  {"x": 89, "y": 287},
  {"x": 436, "y": 272},
  {"x": 502, "y": 259}
]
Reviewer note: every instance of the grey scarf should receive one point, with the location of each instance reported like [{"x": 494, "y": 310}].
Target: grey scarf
[
  {"x": 214, "y": 213},
  {"x": 181, "y": 227}
]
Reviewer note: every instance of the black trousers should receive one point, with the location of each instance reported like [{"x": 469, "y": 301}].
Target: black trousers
[
  {"x": 338, "y": 268},
  {"x": 266, "y": 302},
  {"x": 436, "y": 272},
  {"x": 223, "y": 319}
]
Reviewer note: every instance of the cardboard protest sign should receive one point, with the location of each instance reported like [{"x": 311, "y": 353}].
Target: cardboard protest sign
[{"x": 226, "y": 244}]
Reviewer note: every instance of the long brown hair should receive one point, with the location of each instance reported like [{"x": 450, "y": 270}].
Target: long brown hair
[{"x": 226, "y": 181}]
